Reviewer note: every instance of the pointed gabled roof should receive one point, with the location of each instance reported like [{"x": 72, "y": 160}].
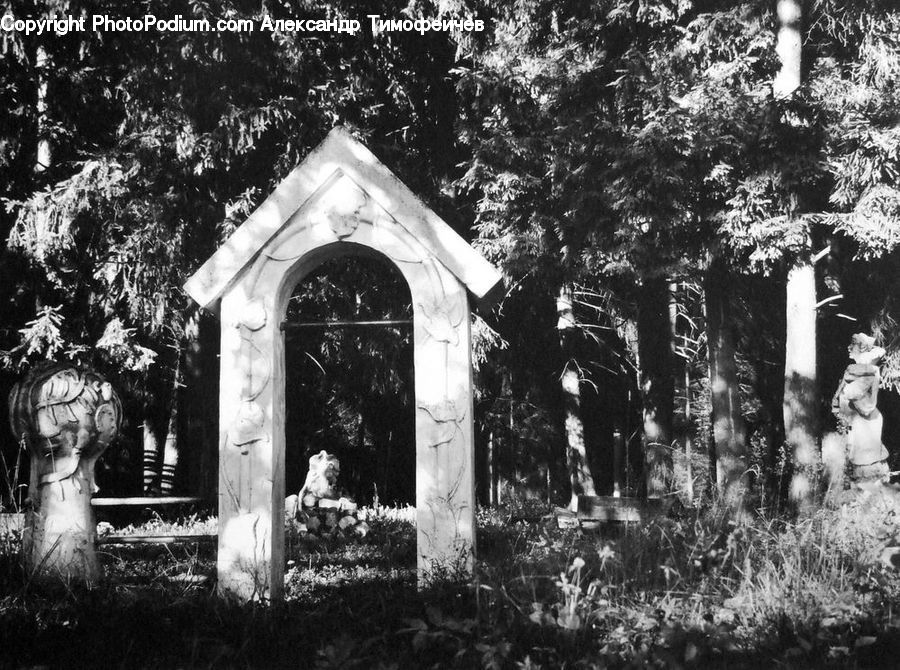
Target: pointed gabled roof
[{"x": 340, "y": 152}]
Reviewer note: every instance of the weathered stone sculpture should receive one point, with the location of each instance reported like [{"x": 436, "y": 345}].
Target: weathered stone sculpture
[
  {"x": 855, "y": 405},
  {"x": 66, "y": 417},
  {"x": 317, "y": 509},
  {"x": 321, "y": 480}
]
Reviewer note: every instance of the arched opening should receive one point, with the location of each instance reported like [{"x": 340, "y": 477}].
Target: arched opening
[
  {"x": 349, "y": 377},
  {"x": 339, "y": 202}
]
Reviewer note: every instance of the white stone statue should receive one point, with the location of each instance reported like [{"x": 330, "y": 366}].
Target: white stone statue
[
  {"x": 321, "y": 489},
  {"x": 66, "y": 417},
  {"x": 855, "y": 405},
  {"x": 321, "y": 480}
]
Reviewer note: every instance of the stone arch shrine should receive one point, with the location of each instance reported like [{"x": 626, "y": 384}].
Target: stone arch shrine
[{"x": 340, "y": 201}]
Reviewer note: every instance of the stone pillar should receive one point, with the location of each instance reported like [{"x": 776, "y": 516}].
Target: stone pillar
[
  {"x": 251, "y": 452},
  {"x": 445, "y": 435}
]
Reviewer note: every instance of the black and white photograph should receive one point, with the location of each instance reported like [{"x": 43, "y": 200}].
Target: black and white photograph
[{"x": 424, "y": 334}]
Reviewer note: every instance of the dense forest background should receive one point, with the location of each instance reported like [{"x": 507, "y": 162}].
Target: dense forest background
[{"x": 692, "y": 217}]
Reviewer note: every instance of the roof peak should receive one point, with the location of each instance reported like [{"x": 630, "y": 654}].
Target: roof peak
[{"x": 341, "y": 153}]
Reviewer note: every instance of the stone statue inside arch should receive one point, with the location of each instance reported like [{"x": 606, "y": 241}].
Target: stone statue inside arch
[
  {"x": 66, "y": 417},
  {"x": 855, "y": 406},
  {"x": 321, "y": 479},
  {"x": 320, "y": 490}
]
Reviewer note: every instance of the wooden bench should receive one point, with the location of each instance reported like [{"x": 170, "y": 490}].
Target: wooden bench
[{"x": 595, "y": 510}]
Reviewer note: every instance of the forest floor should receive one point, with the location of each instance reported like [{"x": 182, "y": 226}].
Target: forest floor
[{"x": 693, "y": 591}]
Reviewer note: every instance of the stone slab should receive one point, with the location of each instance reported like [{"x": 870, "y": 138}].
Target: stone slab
[{"x": 609, "y": 508}]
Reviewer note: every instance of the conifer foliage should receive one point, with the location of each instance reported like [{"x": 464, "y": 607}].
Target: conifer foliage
[{"x": 636, "y": 157}]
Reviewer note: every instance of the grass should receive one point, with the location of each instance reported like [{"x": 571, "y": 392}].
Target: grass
[{"x": 695, "y": 591}]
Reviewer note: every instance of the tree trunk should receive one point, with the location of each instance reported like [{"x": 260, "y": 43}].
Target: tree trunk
[
  {"x": 582, "y": 481},
  {"x": 633, "y": 459},
  {"x": 688, "y": 441},
  {"x": 657, "y": 383},
  {"x": 43, "y": 157},
  {"x": 170, "y": 452},
  {"x": 151, "y": 453},
  {"x": 358, "y": 491},
  {"x": 801, "y": 421},
  {"x": 170, "y": 446},
  {"x": 729, "y": 433},
  {"x": 618, "y": 463},
  {"x": 800, "y": 400},
  {"x": 682, "y": 391},
  {"x": 788, "y": 48},
  {"x": 491, "y": 471}
]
